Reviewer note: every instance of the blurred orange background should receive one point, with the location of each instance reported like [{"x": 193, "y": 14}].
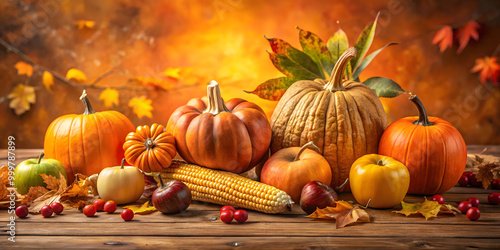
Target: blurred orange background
[{"x": 224, "y": 40}]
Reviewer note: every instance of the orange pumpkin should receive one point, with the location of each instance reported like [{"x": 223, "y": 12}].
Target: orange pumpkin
[
  {"x": 87, "y": 143},
  {"x": 292, "y": 168},
  {"x": 233, "y": 136},
  {"x": 431, "y": 148},
  {"x": 150, "y": 149}
]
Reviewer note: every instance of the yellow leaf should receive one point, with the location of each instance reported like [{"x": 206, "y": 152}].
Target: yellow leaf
[
  {"x": 24, "y": 69},
  {"x": 82, "y": 24},
  {"x": 172, "y": 72},
  {"x": 109, "y": 97},
  {"x": 144, "y": 209},
  {"x": 141, "y": 106},
  {"x": 21, "y": 97},
  {"x": 47, "y": 80},
  {"x": 155, "y": 83},
  {"x": 427, "y": 208},
  {"x": 76, "y": 74}
]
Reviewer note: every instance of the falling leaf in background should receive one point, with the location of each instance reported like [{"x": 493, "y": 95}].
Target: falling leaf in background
[
  {"x": 154, "y": 83},
  {"x": 468, "y": 31},
  {"x": 444, "y": 37},
  {"x": 82, "y": 24},
  {"x": 144, "y": 209},
  {"x": 76, "y": 74},
  {"x": 24, "y": 69},
  {"x": 427, "y": 208},
  {"x": 110, "y": 97},
  {"x": 47, "y": 80},
  {"x": 21, "y": 97},
  {"x": 343, "y": 213},
  {"x": 141, "y": 106},
  {"x": 488, "y": 69},
  {"x": 172, "y": 72}
]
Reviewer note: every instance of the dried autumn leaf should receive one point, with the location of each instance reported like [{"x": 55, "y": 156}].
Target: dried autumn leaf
[
  {"x": 172, "y": 72},
  {"x": 24, "y": 69},
  {"x": 468, "y": 31},
  {"x": 488, "y": 69},
  {"x": 141, "y": 106},
  {"x": 487, "y": 172},
  {"x": 82, "y": 24},
  {"x": 4, "y": 175},
  {"x": 52, "y": 182},
  {"x": 444, "y": 37},
  {"x": 427, "y": 208},
  {"x": 272, "y": 89},
  {"x": 33, "y": 194},
  {"x": 76, "y": 74},
  {"x": 3, "y": 191},
  {"x": 47, "y": 80},
  {"x": 77, "y": 194},
  {"x": 21, "y": 98},
  {"x": 93, "y": 184},
  {"x": 448, "y": 209},
  {"x": 110, "y": 97},
  {"x": 344, "y": 214},
  {"x": 144, "y": 209}
]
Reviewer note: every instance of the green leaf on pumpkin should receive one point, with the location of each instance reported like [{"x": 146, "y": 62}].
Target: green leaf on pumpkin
[
  {"x": 272, "y": 89},
  {"x": 293, "y": 62},
  {"x": 384, "y": 87},
  {"x": 337, "y": 44},
  {"x": 367, "y": 61},
  {"x": 363, "y": 43},
  {"x": 315, "y": 48}
]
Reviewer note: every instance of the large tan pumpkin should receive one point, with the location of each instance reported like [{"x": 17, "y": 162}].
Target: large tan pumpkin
[{"x": 344, "y": 118}]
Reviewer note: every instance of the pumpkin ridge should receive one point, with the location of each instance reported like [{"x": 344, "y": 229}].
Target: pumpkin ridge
[
  {"x": 307, "y": 133},
  {"x": 438, "y": 130},
  {"x": 348, "y": 148},
  {"x": 331, "y": 140},
  {"x": 53, "y": 141},
  {"x": 69, "y": 141},
  {"x": 358, "y": 120},
  {"x": 99, "y": 135},
  {"x": 327, "y": 103},
  {"x": 297, "y": 121},
  {"x": 410, "y": 139}
]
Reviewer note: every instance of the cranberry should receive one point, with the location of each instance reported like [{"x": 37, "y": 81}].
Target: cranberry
[
  {"x": 110, "y": 207},
  {"x": 22, "y": 211},
  {"x": 474, "y": 182},
  {"x": 89, "y": 210},
  {"x": 464, "y": 206},
  {"x": 474, "y": 201},
  {"x": 241, "y": 216},
  {"x": 57, "y": 207},
  {"x": 438, "y": 198},
  {"x": 464, "y": 181},
  {"x": 226, "y": 216},
  {"x": 99, "y": 205},
  {"x": 127, "y": 214},
  {"x": 495, "y": 184},
  {"x": 46, "y": 211},
  {"x": 494, "y": 198},
  {"x": 468, "y": 173},
  {"x": 473, "y": 213},
  {"x": 228, "y": 208}
]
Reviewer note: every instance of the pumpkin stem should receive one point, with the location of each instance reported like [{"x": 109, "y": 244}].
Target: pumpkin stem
[
  {"x": 161, "y": 180},
  {"x": 86, "y": 103},
  {"x": 123, "y": 164},
  {"x": 215, "y": 102},
  {"x": 40, "y": 157},
  {"x": 335, "y": 83},
  {"x": 422, "y": 114},
  {"x": 303, "y": 148},
  {"x": 380, "y": 163},
  {"x": 149, "y": 143},
  {"x": 339, "y": 188}
]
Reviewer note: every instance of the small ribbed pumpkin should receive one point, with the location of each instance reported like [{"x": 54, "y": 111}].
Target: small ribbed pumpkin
[
  {"x": 150, "y": 149},
  {"x": 344, "y": 118},
  {"x": 232, "y": 136},
  {"x": 87, "y": 143}
]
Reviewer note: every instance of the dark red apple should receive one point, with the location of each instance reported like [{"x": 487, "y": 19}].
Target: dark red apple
[
  {"x": 171, "y": 197},
  {"x": 316, "y": 194},
  {"x": 150, "y": 185}
]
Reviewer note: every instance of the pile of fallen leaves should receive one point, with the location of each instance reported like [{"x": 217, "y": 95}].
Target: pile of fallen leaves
[
  {"x": 486, "y": 168},
  {"x": 344, "y": 213}
]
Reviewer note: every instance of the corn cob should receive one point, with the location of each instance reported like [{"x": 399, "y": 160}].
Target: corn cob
[{"x": 226, "y": 188}]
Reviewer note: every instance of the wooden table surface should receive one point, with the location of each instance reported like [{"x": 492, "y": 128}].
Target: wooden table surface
[{"x": 199, "y": 227}]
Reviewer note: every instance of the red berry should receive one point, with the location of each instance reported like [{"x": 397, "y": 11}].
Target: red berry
[
  {"x": 110, "y": 207},
  {"x": 228, "y": 208},
  {"x": 226, "y": 216},
  {"x": 46, "y": 211},
  {"x": 464, "y": 206},
  {"x": 127, "y": 214},
  {"x": 241, "y": 216},
  {"x": 22, "y": 211},
  {"x": 464, "y": 181},
  {"x": 494, "y": 198},
  {"x": 473, "y": 213},
  {"x": 474, "y": 201},
  {"x": 99, "y": 205},
  {"x": 468, "y": 173},
  {"x": 57, "y": 207},
  {"x": 495, "y": 184},
  {"x": 89, "y": 210},
  {"x": 474, "y": 182},
  {"x": 438, "y": 198}
]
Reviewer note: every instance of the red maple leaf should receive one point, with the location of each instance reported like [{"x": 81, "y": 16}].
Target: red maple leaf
[
  {"x": 468, "y": 31},
  {"x": 444, "y": 37},
  {"x": 488, "y": 68}
]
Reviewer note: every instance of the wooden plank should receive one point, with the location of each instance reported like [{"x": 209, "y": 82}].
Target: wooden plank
[{"x": 261, "y": 242}]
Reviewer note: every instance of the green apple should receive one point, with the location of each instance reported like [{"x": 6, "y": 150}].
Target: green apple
[{"x": 27, "y": 173}]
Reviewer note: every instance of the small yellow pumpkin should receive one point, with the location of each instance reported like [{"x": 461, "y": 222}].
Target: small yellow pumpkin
[{"x": 122, "y": 184}]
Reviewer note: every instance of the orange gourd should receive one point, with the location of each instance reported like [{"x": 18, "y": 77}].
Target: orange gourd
[
  {"x": 150, "y": 149},
  {"x": 431, "y": 148},
  {"x": 89, "y": 142},
  {"x": 231, "y": 136}
]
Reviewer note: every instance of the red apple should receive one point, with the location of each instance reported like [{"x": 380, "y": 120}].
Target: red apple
[
  {"x": 171, "y": 197},
  {"x": 316, "y": 194}
]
